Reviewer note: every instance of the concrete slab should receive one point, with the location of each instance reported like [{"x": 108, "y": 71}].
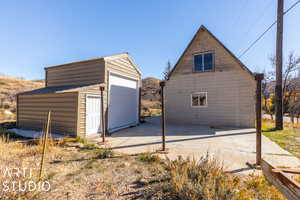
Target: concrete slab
[
  {"x": 34, "y": 134},
  {"x": 232, "y": 147}
]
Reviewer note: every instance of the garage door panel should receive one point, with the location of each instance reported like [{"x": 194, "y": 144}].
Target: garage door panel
[
  {"x": 123, "y": 102},
  {"x": 122, "y": 81}
]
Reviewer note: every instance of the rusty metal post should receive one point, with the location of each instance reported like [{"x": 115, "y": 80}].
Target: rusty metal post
[
  {"x": 45, "y": 144},
  {"x": 102, "y": 114},
  {"x": 163, "y": 118},
  {"x": 258, "y": 78}
]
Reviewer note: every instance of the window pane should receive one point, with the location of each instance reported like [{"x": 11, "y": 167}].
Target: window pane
[
  {"x": 198, "y": 62},
  {"x": 195, "y": 100},
  {"x": 202, "y": 97},
  {"x": 208, "y": 61}
]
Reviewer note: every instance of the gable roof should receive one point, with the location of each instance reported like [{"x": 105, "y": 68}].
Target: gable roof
[
  {"x": 111, "y": 57},
  {"x": 122, "y": 55},
  {"x": 203, "y": 28}
]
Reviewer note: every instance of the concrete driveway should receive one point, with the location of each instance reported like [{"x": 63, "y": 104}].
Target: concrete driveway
[{"x": 232, "y": 147}]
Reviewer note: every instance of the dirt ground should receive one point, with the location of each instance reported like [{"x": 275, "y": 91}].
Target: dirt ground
[{"x": 77, "y": 171}]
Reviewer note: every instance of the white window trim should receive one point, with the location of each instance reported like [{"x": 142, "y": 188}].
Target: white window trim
[
  {"x": 199, "y": 106},
  {"x": 203, "y": 53}
]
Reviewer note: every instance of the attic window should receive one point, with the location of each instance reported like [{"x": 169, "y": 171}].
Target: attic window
[{"x": 203, "y": 62}]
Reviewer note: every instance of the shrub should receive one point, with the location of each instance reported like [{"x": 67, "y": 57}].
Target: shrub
[
  {"x": 200, "y": 180},
  {"x": 104, "y": 153},
  {"x": 205, "y": 179},
  {"x": 148, "y": 158},
  {"x": 80, "y": 140},
  {"x": 297, "y": 179}
]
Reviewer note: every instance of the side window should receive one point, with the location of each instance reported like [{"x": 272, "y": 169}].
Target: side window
[
  {"x": 199, "y": 99},
  {"x": 203, "y": 62}
]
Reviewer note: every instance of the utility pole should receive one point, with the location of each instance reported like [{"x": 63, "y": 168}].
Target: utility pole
[{"x": 278, "y": 88}]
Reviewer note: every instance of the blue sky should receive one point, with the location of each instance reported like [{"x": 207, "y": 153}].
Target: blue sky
[{"x": 35, "y": 34}]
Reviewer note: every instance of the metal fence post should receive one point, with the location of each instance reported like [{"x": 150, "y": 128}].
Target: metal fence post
[
  {"x": 258, "y": 78},
  {"x": 163, "y": 118},
  {"x": 102, "y": 114}
]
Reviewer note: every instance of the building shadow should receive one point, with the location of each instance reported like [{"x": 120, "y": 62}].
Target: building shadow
[{"x": 181, "y": 140}]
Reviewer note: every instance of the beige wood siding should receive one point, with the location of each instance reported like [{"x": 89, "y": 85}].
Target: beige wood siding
[
  {"x": 230, "y": 98},
  {"x": 122, "y": 66},
  {"x": 230, "y": 89},
  {"x": 76, "y": 73},
  {"x": 203, "y": 42},
  {"x": 33, "y": 110}
]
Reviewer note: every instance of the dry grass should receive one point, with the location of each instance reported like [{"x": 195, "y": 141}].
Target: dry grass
[
  {"x": 150, "y": 108},
  {"x": 77, "y": 169},
  {"x": 9, "y": 87},
  {"x": 205, "y": 179},
  {"x": 297, "y": 179}
]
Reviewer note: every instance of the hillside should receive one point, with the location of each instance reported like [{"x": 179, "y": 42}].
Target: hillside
[
  {"x": 150, "y": 96},
  {"x": 9, "y": 87},
  {"x": 150, "y": 89}
]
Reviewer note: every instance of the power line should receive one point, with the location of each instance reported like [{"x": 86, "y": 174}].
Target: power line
[
  {"x": 291, "y": 7},
  {"x": 258, "y": 19},
  {"x": 253, "y": 43}
]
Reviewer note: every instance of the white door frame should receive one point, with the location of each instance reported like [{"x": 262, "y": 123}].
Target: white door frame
[
  {"x": 108, "y": 95},
  {"x": 86, "y": 97}
]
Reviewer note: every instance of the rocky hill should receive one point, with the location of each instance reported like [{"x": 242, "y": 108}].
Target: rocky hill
[
  {"x": 150, "y": 89},
  {"x": 150, "y": 94},
  {"x": 9, "y": 87}
]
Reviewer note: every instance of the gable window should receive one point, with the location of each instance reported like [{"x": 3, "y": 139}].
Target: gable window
[
  {"x": 199, "y": 99},
  {"x": 203, "y": 62}
]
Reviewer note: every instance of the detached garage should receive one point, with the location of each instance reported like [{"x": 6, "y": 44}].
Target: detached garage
[{"x": 72, "y": 93}]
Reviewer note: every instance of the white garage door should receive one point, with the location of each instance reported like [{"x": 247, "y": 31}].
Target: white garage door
[
  {"x": 123, "y": 102},
  {"x": 93, "y": 114}
]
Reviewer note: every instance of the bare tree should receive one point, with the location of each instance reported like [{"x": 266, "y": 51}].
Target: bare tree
[
  {"x": 294, "y": 109},
  {"x": 167, "y": 71},
  {"x": 268, "y": 104},
  {"x": 290, "y": 74}
]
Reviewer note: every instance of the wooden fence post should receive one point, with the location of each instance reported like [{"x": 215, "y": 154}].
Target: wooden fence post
[
  {"x": 45, "y": 144},
  {"x": 102, "y": 114},
  {"x": 258, "y": 78},
  {"x": 163, "y": 118}
]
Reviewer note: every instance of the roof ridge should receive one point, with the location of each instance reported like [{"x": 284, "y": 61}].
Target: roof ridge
[{"x": 84, "y": 61}]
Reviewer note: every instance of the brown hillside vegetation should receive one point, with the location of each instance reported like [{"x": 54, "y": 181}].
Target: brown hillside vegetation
[
  {"x": 150, "y": 96},
  {"x": 150, "y": 89},
  {"x": 9, "y": 87}
]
